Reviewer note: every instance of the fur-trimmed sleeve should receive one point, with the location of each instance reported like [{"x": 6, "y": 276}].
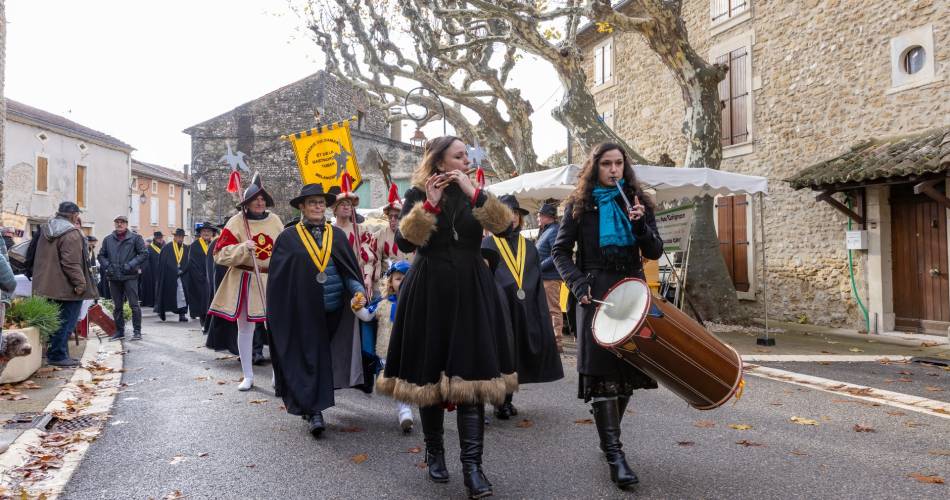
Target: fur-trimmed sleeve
[
  {"x": 415, "y": 224},
  {"x": 492, "y": 214}
]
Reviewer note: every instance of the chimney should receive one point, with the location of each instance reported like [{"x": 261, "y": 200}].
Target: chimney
[
  {"x": 186, "y": 169},
  {"x": 395, "y": 130}
]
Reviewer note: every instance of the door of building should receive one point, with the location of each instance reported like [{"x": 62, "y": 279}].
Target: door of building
[
  {"x": 732, "y": 214},
  {"x": 919, "y": 249}
]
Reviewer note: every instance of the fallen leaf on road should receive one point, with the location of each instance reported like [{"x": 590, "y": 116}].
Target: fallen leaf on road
[
  {"x": 803, "y": 421},
  {"x": 351, "y": 428},
  {"x": 747, "y": 443},
  {"x": 524, "y": 424},
  {"x": 422, "y": 465},
  {"x": 740, "y": 427},
  {"x": 905, "y": 380},
  {"x": 685, "y": 443},
  {"x": 799, "y": 453},
  {"x": 855, "y": 349},
  {"x": 826, "y": 352},
  {"x": 896, "y": 413},
  {"x": 931, "y": 388},
  {"x": 704, "y": 424},
  {"x": 904, "y": 372},
  {"x": 222, "y": 358},
  {"x": 415, "y": 449},
  {"x": 203, "y": 454},
  {"x": 175, "y": 495},
  {"x": 939, "y": 453},
  {"x": 202, "y": 378},
  {"x": 824, "y": 363},
  {"x": 584, "y": 421},
  {"x": 862, "y": 428},
  {"x": 776, "y": 403},
  {"x": 177, "y": 459},
  {"x": 941, "y": 410},
  {"x": 221, "y": 382},
  {"x": 863, "y": 391},
  {"x": 929, "y": 344},
  {"x": 931, "y": 479},
  {"x": 29, "y": 384},
  {"x": 257, "y": 401},
  {"x": 250, "y": 466},
  {"x": 763, "y": 350},
  {"x": 914, "y": 425},
  {"x": 358, "y": 459}
]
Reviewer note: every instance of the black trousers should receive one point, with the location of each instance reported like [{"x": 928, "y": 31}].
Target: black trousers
[{"x": 122, "y": 291}]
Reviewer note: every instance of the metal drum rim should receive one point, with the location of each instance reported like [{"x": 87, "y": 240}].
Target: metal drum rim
[{"x": 643, "y": 318}]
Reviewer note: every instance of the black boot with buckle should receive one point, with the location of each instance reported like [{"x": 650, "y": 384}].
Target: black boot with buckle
[
  {"x": 608, "y": 428},
  {"x": 432, "y": 430},
  {"x": 471, "y": 424}
]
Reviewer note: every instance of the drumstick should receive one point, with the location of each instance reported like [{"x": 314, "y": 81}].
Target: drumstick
[{"x": 602, "y": 302}]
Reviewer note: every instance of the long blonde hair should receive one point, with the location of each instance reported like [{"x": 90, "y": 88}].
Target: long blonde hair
[{"x": 435, "y": 151}]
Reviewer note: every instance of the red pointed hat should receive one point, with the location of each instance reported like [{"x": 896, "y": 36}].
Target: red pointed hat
[
  {"x": 346, "y": 190},
  {"x": 394, "y": 202}
]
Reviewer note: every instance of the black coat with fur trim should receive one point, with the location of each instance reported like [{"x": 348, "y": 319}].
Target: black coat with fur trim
[
  {"x": 310, "y": 362},
  {"x": 535, "y": 348},
  {"x": 449, "y": 341}
]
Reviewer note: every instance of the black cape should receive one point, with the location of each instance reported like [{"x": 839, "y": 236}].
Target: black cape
[
  {"x": 166, "y": 287},
  {"x": 222, "y": 334},
  {"x": 147, "y": 279},
  {"x": 535, "y": 348},
  {"x": 198, "y": 280},
  {"x": 310, "y": 362}
]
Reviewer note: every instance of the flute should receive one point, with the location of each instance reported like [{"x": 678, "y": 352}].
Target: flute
[{"x": 622, "y": 194}]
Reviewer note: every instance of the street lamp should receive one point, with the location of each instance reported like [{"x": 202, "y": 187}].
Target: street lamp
[
  {"x": 419, "y": 139},
  {"x": 425, "y": 116},
  {"x": 201, "y": 183}
]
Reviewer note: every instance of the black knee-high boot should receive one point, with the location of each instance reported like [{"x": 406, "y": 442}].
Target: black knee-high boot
[
  {"x": 622, "y": 402},
  {"x": 608, "y": 428},
  {"x": 432, "y": 430},
  {"x": 471, "y": 424}
]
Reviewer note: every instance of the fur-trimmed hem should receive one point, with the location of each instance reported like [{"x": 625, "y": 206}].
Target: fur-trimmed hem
[
  {"x": 449, "y": 390},
  {"x": 494, "y": 215},
  {"x": 417, "y": 226}
]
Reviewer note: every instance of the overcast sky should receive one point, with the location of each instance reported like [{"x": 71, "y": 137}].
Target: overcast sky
[{"x": 143, "y": 71}]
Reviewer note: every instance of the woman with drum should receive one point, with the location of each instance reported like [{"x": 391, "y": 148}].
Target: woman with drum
[
  {"x": 449, "y": 342},
  {"x": 611, "y": 220}
]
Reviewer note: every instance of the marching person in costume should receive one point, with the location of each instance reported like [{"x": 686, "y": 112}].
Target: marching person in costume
[
  {"x": 245, "y": 247},
  {"x": 198, "y": 277},
  {"x": 519, "y": 276},
  {"x": 315, "y": 284},
  {"x": 383, "y": 310},
  {"x": 149, "y": 278},
  {"x": 384, "y": 241},
  {"x": 610, "y": 240},
  {"x": 345, "y": 218},
  {"x": 169, "y": 290},
  {"x": 449, "y": 340}
]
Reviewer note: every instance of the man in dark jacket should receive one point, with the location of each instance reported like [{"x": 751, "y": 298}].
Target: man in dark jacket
[
  {"x": 61, "y": 274},
  {"x": 547, "y": 222},
  {"x": 122, "y": 256}
]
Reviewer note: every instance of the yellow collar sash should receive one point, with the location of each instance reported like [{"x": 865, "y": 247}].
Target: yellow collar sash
[
  {"x": 515, "y": 262},
  {"x": 320, "y": 255},
  {"x": 179, "y": 252}
]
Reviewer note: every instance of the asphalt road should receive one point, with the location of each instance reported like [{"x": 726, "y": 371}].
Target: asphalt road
[{"x": 176, "y": 428}]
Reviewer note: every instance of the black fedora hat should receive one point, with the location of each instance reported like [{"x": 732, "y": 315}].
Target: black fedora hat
[
  {"x": 548, "y": 209},
  {"x": 512, "y": 202},
  {"x": 253, "y": 190},
  {"x": 206, "y": 225},
  {"x": 179, "y": 232},
  {"x": 312, "y": 190}
]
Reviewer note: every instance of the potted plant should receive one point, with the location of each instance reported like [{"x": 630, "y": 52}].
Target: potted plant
[{"x": 37, "y": 318}]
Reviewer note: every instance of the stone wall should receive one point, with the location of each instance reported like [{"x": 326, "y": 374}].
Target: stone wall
[
  {"x": 820, "y": 80},
  {"x": 3, "y": 66},
  {"x": 255, "y": 129}
]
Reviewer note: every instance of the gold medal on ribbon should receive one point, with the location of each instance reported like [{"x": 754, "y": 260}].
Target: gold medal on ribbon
[
  {"x": 319, "y": 255},
  {"x": 179, "y": 252},
  {"x": 515, "y": 262}
]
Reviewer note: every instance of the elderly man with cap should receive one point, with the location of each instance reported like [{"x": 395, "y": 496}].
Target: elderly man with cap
[
  {"x": 245, "y": 247},
  {"x": 122, "y": 256},
  {"x": 149, "y": 277},
  {"x": 547, "y": 222},
  {"x": 61, "y": 274},
  {"x": 312, "y": 293},
  {"x": 169, "y": 289}
]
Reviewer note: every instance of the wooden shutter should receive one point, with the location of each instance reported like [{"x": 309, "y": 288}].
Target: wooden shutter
[
  {"x": 725, "y": 101},
  {"x": 42, "y": 173},
  {"x": 734, "y": 97},
  {"x": 719, "y": 9},
  {"x": 81, "y": 185},
  {"x": 732, "y": 213},
  {"x": 598, "y": 66}
]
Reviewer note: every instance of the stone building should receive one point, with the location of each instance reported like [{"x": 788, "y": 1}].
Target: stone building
[
  {"x": 158, "y": 200},
  {"x": 254, "y": 128},
  {"x": 808, "y": 80}
]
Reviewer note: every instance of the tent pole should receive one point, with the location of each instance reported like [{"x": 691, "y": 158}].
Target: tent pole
[{"x": 765, "y": 339}]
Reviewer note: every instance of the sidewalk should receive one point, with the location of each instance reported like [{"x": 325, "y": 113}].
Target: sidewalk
[{"x": 21, "y": 403}]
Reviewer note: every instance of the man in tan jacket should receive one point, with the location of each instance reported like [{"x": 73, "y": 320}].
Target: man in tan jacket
[{"x": 61, "y": 274}]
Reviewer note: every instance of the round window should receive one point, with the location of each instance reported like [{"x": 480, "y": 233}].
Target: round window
[{"x": 913, "y": 60}]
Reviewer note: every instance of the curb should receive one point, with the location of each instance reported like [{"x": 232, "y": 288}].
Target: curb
[
  {"x": 106, "y": 389},
  {"x": 797, "y": 329}
]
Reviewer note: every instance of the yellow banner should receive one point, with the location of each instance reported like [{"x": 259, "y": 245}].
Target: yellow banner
[{"x": 324, "y": 153}]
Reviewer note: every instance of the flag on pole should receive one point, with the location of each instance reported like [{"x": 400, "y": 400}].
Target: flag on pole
[{"x": 324, "y": 154}]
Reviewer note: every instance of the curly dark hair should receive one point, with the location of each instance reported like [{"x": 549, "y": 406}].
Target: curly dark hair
[{"x": 587, "y": 179}]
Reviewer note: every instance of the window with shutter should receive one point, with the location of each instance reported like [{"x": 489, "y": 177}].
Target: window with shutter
[
  {"x": 603, "y": 63},
  {"x": 734, "y": 97},
  {"x": 172, "y": 219},
  {"x": 732, "y": 221},
  {"x": 153, "y": 212},
  {"x": 81, "y": 185},
  {"x": 136, "y": 212},
  {"x": 42, "y": 174},
  {"x": 720, "y": 10},
  {"x": 171, "y": 190}
]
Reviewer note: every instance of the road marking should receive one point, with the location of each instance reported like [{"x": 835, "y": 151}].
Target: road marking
[
  {"x": 906, "y": 401},
  {"x": 814, "y": 358}
]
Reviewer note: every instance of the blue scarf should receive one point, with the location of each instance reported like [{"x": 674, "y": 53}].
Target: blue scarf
[{"x": 615, "y": 227}]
